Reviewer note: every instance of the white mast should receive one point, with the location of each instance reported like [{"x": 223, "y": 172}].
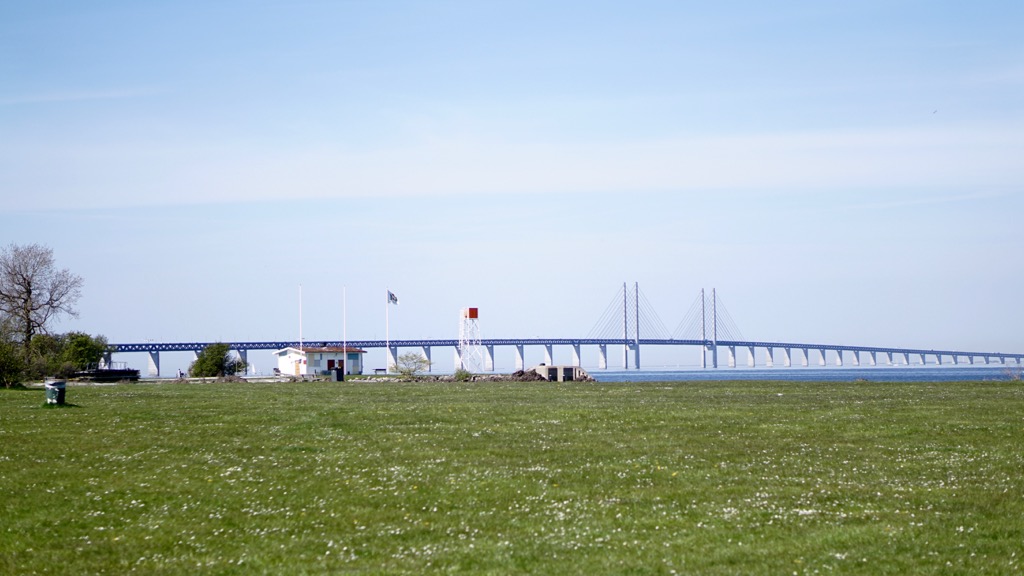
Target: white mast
[
  {"x": 344, "y": 329},
  {"x": 300, "y": 316},
  {"x": 387, "y": 327},
  {"x": 703, "y": 332}
]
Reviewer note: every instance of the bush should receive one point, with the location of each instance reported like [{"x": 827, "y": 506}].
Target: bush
[
  {"x": 12, "y": 367},
  {"x": 410, "y": 364},
  {"x": 62, "y": 354},
  {"x": 216, "y": 360},
  {"x": 462, "y": 375}
]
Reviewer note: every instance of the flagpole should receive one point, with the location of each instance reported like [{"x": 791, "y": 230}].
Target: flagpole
[
  {"x": 387, "y": 328},
  {"x": 344, "y": 330},
  {"x": 300, "y": 316}
]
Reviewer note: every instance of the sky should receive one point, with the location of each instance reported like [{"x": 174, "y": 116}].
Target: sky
[{"x": 840, "y": 172}]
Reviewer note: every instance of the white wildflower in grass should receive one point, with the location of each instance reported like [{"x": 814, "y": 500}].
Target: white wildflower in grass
[{"x": 498, "y": 478}]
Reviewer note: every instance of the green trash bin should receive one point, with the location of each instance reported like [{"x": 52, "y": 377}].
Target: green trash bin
[{"x": 55, "y": 390}]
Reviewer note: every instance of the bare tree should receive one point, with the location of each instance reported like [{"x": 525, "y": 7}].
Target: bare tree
[{"x": 33, "y": 292}]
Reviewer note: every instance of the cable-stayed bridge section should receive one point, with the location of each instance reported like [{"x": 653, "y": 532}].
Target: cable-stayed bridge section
[{"x": 630, "y": 323}]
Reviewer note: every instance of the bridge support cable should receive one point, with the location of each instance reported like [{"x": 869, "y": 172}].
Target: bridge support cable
[
  {"x": 726, "y": 326},
  {"x": 692, "y": 326},
  {"x": 610, "y": 325},
  {"x": 649, "y": 323},
  {"x": 629, "y": 320},
  {"x": 709, "y": 320},
  {"x": 641, "y": 321}
]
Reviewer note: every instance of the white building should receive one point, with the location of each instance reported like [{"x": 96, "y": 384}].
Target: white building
[{"x": 319, "y": 361}]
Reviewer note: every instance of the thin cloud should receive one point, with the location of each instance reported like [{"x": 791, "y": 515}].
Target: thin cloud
[
  {"x": 77, "y": 96},
  {"x": 977, "y": 158},
  {"x": 923, "y": 201}
]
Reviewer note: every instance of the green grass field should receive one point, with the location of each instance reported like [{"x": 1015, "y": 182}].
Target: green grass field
[{"x": 649, "y": 478}]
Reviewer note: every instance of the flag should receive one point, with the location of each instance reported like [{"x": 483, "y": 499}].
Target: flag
[{"x": 392, "y": 299}]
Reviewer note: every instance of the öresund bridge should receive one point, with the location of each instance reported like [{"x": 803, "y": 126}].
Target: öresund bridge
[{"x": 629, "y": 323}]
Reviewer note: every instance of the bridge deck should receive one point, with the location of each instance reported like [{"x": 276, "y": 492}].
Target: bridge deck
[{"x": 277, "y": 345}]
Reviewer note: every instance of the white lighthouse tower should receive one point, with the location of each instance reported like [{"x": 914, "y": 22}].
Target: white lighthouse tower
[{"x": 470, "y": 354}]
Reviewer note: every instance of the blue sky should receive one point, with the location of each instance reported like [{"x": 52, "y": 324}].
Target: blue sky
[{"x": 840, "y": 172}]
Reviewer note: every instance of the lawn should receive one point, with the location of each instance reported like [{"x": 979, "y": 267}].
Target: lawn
[{"x": 640, "y": 478}]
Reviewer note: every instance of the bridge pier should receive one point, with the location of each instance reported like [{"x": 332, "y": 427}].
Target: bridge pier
[
  {"x": 807, "y": 357},
  {"x": 769, "y": 358},
  {"x": 888, "y": 357},
  {"x": 923, "y": 359},
  {"x": 243, "y": 355},
  {"x": 750, "y": 357},
  {"x": 426, "y": 354},
  {"x": 873, "y": 358},
  {"x": 839, "y": 357},
  {"x": 392, "y": 361},
  {"x": 154, "y": 364},
  {"x": 732, "y": 356},
  {"x": 906, "y": 359},
  {"x": 787, "y": 357},
  {"x": 520, "y": 358},
  {"x": 489, "y": 358},
  {"x": 704, "y": 350},
  {"x": 856, "y": 358},
  {"x": 602, "y": 356},
  {"x": 548, "y": 355},
  {"x": 576, "y": 355}
]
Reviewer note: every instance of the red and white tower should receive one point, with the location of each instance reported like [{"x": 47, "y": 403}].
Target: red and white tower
[{"x": 470, "y": 354}]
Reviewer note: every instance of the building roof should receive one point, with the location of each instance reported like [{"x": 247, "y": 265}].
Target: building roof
[{"x": 324, "y": 350}]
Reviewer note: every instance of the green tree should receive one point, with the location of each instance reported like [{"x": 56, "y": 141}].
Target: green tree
[
  {"x": 12, "y": 363},
  {"x": 46, "y": 357},
  {"x": 216, "y": 360},
  {"x": 33, "y": 292},
  {"x": 82, "y": 350},
  {"x": 410, "y": 364}
]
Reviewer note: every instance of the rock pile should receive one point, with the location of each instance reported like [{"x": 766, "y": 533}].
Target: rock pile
[{"x": 526, "y": 376}]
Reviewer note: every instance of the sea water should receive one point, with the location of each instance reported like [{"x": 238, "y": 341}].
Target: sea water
[{"x": 962, "y": 372}]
